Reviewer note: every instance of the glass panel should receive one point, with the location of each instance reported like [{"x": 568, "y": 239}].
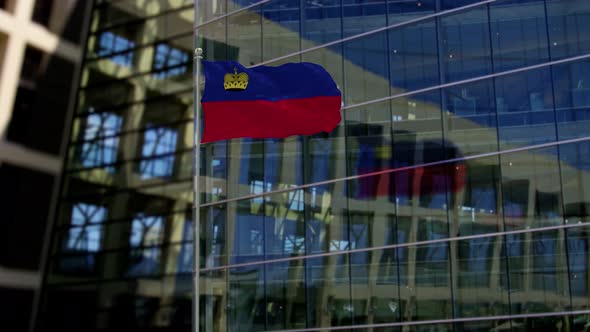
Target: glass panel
[
  {"x": 366, "y": 69},
  {"x": 417, "y": 129},
  {"x": 285, "y": 293},
  {"x": 285, "y": 225},
  {"x": 363, "y": 15},
  {"x": 214, "y": 305},
  {"x": 519, "y": 34},
  {"x": 247, "y": 307},
  {"x": 208, "y": 10},
  {"x": 465, "y": 49},
  {"x": 244, "y": 35},
  {"x": 413, "y": 57},
  {"x": 213, "y": 41},
  {"x": 376, "y": 274},
  {"x": 470, "y": 119},
  {"x": 321, "y": 22},
  {"x": 427, "y": 295},
  {"x": 280, "y": 28},
  {"x": 569, "y": 28},
  {"x": 478, "y": 292},
  {"x": 572, "y": 98},
  {"x": 451, "y": 4},
  {"x": 328, "y": 290},
  {"x": 525, "y": 109},
  {"x": 575, "y": 177},
  {"x": 369, "y": 150},
  {"x": 531, "y": 189},
  {"x": 476, "y": 203},
  {"x": 577, "y": 249},
  {"x": 215, "y": 162},
  {"x": 537, "y": 272},
  {"x": 400, "y": 11}
]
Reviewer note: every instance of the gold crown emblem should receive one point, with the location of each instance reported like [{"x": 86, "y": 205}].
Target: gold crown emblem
[{"x": 235, "y": 81}]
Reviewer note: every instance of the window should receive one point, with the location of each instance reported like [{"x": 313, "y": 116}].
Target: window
[
  {"x": 86, "y": 232},
  {"x": 169, "y": 61},
  {"x": 159, "y": 145},
  {"x": 110, "y": 43},
  {"x": 296, "y": 201},
  {"x": 256, "y": 241},
  {"x": 83, "y": 239},
  {"x": 294, "y": 244},
  {"x": 100, "y": 145},
  {"x": 257, "y": 187},
  {"x": 146, "y": 237}
]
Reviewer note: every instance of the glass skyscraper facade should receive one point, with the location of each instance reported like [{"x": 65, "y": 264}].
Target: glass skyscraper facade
[{"x": 453, "y": 196}]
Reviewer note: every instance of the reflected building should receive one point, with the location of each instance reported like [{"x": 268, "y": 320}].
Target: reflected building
[{"x": 481, "y": 108}]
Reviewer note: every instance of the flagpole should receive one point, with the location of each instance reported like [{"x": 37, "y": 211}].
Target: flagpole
[{"x": 196, "y": 189}]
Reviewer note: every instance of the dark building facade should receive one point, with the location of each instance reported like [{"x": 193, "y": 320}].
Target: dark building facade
[
  {"x": 40, "y": 57},
  {"x": 480, "y": 108}
]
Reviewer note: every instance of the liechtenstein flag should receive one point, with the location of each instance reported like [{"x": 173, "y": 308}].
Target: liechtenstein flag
[{"x": 268, "y": 102}]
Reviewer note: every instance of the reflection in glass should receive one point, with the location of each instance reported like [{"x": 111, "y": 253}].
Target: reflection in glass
[
  {"x": 525, "y": 108},
  {"x": 321, "y": 22},
  {"x": 244, "y": 34},
  {"x": 169, "y": 61},
  {"x": 84, "y": 237},
  {"x": 479, "y": 265},
  {"x": 465, "y": 45},
  {"x": 400, "y": 11},
  {"x": 146, "y": 236},
  {"x": 158, "y": 145},
  {"x": 572, "y": 98},
  {"x": 280, "y": 28},
  {"x": 518, "y": 33},
  {"x": 246, "y": 308},
  {"x": 110, "y": 43},
  {"x": 470, "y": 117},
  {"x": 531, "y": 189},
  {"x": 363, "y": 15},
  {"x": 569, "y": 27},
  {"x": 366, "y": 71},
  {"x": 413, "y": 57},
  {"x": 100, "y": 145},
  {"x": 575, "y": 177}
]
